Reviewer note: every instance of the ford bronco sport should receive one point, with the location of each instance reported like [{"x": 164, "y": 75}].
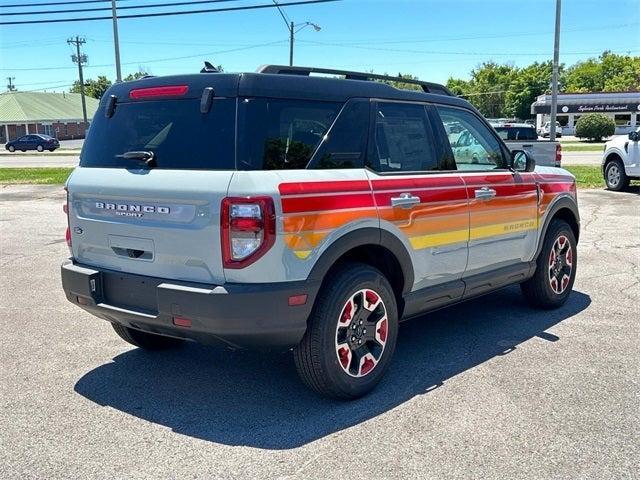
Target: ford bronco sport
[{"x": 287, "y": 210}]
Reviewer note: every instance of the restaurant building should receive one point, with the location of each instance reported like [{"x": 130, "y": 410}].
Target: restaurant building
[
  {"x": 56, "y": 114},
  {"x": 622, "y": 107}
]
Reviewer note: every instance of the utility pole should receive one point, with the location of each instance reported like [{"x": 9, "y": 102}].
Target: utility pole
[
  {"x": 10, "y": 86},
  {"x": 80, "y": 59},
  {"x": 116, "y": 41},
  {"x": 554, "y": 77}
]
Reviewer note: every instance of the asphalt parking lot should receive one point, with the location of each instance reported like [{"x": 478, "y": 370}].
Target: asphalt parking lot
[{"x": 486, "y": 389}]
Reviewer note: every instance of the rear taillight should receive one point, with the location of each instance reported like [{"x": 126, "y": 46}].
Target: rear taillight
[
  {"x": 65, "y": 209},
  {"x": 248, "y": 229},
  {"x": 558, "y": 154}
]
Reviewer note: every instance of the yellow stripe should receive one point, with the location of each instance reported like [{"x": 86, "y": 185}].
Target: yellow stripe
[
  {"x": 436, "y": 239},
  {"x": 302, "y": 254},
  {"x": 503, "y": 228}
]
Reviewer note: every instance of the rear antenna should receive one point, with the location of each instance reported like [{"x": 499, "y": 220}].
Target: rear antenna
[{"x": 208, "y": 68}]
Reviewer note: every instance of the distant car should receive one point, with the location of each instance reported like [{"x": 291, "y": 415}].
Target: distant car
[
  {"x": 545, "y": 131},
  {"x": 522, "y": 136},
  {"x": 37, "y": 142}
]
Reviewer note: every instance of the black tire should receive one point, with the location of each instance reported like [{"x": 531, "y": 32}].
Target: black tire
[
  {"x": 144, "y": 340},
  {"x": 12, "y": 148},
  {"x": 316, "y": 356},
  {"x": 615, "y": 177},
  {"x": 540, "y": 290},
  {"x": 40, "y": 148}
]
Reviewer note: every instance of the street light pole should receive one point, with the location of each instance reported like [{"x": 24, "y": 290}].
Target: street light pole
[
  {"x": 116, "y": 41},
  {"x": 554, "y": 77},
  {"x": 291, "y": 38}
]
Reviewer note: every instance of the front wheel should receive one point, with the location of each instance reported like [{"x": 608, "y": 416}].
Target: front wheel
[
  {"x": 144, "y": 340},
  {"x": 615, "y": 176},
  {"x": 556, "y": 265},
  {"x": 351, "y": 333},
  {"x": 40, "y": 148}
]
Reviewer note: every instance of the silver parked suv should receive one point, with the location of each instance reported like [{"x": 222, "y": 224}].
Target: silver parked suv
[{"x": 279, "y": 209}]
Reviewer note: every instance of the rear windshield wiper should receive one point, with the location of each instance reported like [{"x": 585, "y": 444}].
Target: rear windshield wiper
[{"x": 148, "y": 158}]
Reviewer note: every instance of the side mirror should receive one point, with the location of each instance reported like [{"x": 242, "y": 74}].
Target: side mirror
[
  {"x": 521, "y": 161},
  {"x": 634, "y": 136}
]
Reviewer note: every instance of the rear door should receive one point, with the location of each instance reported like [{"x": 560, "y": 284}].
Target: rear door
[
  {"x": 424, "y": 207},
  {"x": 159, "y": 218},
  {"x": 503, "y": 204}
]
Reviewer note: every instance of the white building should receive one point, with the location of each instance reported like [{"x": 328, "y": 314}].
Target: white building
[{"x": 622, "y": 107}]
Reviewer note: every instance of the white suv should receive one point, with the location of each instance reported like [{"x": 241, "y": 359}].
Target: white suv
[
  {"x": 621, "y": 161},
  {"x": 545, "y": 130}
]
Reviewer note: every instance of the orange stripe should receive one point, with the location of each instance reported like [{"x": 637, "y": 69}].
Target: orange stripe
[
  {"x": 502, "y": 216},
  {"x": 325, "y": 220},
  {"x": 425, "y": 226},
  {"x": 400, "y": 214}
]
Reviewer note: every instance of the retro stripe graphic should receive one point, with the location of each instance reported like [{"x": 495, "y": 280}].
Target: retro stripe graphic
[{"x": 447, "y": 214}]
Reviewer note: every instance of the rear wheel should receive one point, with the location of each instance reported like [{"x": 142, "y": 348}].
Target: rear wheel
[
  {"x": 351, "y": 333},
  {"x": 615, "y": 176},
  {"x": 12, "y": 148},
  {"x": 40, "y": 148},
  {"x": 144, "y": 340},
  {"x": 555, "y": 268}
]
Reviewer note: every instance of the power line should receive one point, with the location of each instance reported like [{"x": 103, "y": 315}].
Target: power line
[
  {"x": 72, "y": 2},
  {"x": 165, "y": 14},
  {"x": 435, "y": 52},
  {"x": 80, "y": 10},
  {"x": 218, "y": 52}
]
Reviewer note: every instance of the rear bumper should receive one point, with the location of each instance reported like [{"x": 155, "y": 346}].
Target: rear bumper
[{"x": 241, "y": 315}]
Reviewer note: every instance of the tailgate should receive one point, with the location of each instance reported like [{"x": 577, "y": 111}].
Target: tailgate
[{"x": 160, "y": 223}]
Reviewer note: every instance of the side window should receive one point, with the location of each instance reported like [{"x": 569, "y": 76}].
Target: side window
[
  {"x": 403, "y": 140},
  {"x": 277, "y": 134},
  {"x": 345, "y": 144},
  {"x": 474, "y": 146}
]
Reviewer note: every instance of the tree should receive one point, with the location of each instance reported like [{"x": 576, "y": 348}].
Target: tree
[
  {"x": 595, "y": 126},
  {"x": 137, "y": 75},
  {"x": 529, "y": 82},
  {"x": 93, "y": 88},
  {"x": 608, "y": 73}
]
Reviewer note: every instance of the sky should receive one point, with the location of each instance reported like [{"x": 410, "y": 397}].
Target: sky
[{"x": 433, "y": 39}]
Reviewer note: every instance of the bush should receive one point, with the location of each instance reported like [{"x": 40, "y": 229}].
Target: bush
[{"x": 595, "y": 126}]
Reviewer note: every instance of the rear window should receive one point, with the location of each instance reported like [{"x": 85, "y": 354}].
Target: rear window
[
  {"x": 517, "y": 133},
  {"x": 277, "y": 134},
  {"x": 176, "y": 132}
]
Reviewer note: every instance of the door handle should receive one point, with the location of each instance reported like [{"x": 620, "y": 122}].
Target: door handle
[
  {"x": 485, "y": 193},
  {"x": 405, "y": 200}
]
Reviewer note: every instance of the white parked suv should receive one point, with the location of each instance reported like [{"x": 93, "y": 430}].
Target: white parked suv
[
  {"x": 621, "y": 161},
  {"x": 545, "y": 130}
]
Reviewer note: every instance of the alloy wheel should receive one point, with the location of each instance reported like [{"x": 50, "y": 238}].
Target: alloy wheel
[
  {"x": 361, "y": 333},
  {"x": 560, "y": 264}
]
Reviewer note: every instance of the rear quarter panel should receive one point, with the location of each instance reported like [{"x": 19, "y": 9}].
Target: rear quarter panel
[{"x": 314, "y": 209}]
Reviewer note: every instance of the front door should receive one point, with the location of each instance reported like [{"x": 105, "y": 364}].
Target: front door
[
  {"x": 417, "y": 202},
  {"x": 503, "y": 213}
]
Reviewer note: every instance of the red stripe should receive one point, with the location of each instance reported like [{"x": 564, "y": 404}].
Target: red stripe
[
  {"x": 323, "y": 187},
  {"x": 557, "y": 187},
  {"x": 336, "y": 202},
  {"x": 384, "y": 199},
  {"x": 507, "y": 190},
  {"x": 480, "y": 180},
  {"x": 422, "y": 182}
]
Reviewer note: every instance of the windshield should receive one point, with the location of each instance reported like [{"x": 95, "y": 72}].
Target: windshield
[{"x": 178, "y": 135}]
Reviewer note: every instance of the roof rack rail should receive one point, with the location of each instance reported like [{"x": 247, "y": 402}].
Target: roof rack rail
[{"x": 427, "y": 87}]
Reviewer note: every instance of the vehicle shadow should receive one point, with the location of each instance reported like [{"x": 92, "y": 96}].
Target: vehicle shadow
[{"x": 255, "y": 399}]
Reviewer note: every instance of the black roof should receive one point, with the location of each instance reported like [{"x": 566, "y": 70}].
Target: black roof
[{"x": 292, "y": 85}]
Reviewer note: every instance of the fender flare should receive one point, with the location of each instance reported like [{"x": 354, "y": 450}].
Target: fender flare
[
  {"x": 359, "y": 238},
  {"x": 563, "y": 202}
]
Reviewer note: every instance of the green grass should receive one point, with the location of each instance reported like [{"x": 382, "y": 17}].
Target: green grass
[
  {"x": 587, "y": 176},
  {"x": 588, "y": 147},
  {"x": 34, "y": 176}
]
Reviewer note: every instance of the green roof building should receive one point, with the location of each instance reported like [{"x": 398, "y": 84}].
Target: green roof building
[{"x": 55, "y": 114}]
